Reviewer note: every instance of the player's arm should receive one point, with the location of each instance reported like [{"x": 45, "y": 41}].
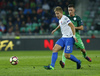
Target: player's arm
[
  {"x": 72, "y": 27},
  {"x": 73, "y": 30},
  {"x": 80, "y": 24},
  {"x": 79, "y": 28},
  {"x": 55, "y": 29}
]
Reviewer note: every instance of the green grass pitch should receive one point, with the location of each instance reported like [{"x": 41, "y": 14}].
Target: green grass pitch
[{"x": 31, "y": 64}]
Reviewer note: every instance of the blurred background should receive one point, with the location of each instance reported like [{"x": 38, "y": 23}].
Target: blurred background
[{"x": 25, "y": 19}]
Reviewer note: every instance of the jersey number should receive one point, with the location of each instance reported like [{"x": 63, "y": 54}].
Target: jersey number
[{"x": 68, "y": 47}]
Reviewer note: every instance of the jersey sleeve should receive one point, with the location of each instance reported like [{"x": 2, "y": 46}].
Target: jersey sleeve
[
  {"x": 68, "y": 20},
  {"x": 80, "y": 22}
]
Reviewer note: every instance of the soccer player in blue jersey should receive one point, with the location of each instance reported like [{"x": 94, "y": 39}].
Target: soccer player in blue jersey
[{"x": 66, "y": 41}]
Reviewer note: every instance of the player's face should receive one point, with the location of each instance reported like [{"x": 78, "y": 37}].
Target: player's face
[
  {"x": 71, "y": 11},
  {"x": 58, "y": 14}
]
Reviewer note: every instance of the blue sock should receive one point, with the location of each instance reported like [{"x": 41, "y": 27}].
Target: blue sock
[
  {"x": 54, "y": 58},
  {"x": 73, "y": 58}
]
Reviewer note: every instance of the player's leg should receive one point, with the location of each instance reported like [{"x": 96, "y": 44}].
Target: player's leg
[
  {"x": 73, "y": 58},
  {"x": 68, "y": 50},
  {"x": 55, "y": 54},
  {"x": 62, "y": 62},
  {"x": 83, "y": 52},
  {"x": 64, "y": 56},
  {"x": 81, "y": 46},
  {"x": 85, "y": 56},
  {"x": 54, "y": 57},
  {"x": 57, "y": 47}
]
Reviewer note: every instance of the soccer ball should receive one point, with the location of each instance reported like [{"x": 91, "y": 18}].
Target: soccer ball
[{"x": 14, "y": 60}]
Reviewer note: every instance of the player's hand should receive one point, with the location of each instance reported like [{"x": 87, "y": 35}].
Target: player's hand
[
  {"x": 53, "y": 31},
  {"x": 75, "y": 39}
]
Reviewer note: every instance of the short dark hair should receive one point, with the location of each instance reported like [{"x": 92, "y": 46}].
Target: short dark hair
[{"x": 71, "y": 5}]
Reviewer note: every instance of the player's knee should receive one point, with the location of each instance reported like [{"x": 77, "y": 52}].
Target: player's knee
[
  {"x": 67, "y": 56},
  {"x": 55, "y": 50}
]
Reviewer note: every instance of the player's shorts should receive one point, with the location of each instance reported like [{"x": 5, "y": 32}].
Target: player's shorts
[
  {"x": 79, "y": 44},
  {"x": 67, "y": 44}
]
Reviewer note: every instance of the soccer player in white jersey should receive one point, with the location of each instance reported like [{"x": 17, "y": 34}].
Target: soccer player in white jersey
[{"x": 66, "y": 41}]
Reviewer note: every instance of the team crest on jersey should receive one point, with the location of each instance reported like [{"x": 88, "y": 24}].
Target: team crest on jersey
[
  {"x": 74, "y": 18},
  {"x": 63, "y": 23}
]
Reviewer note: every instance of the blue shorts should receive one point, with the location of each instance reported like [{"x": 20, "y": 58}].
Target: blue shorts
[{"x": 67, "y": 44}]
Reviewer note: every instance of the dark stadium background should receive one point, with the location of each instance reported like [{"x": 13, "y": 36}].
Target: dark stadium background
[
  {"x": 25, "y": 32},
  {"x": 27, "y": 23}
]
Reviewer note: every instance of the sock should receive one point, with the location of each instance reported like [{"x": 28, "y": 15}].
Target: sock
[
  {"x": 54, "y": 58},
  {"x": 63, "y": 58},
  {"x": 73, "y": 58},
  {"x": 84, "y": 54}
]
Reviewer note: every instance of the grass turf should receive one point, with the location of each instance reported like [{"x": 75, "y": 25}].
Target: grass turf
[{"x": 31, "y": 64}]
